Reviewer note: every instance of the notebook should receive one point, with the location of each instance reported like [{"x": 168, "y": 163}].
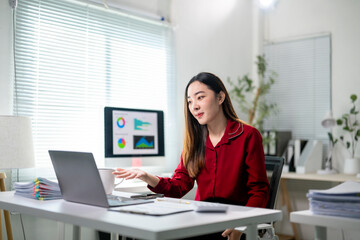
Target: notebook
[{"x": 79, "y": 180}]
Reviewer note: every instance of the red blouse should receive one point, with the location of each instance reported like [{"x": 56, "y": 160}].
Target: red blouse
[{"x": 234, "y": 171}]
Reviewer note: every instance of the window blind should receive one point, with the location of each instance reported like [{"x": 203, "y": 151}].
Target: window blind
[
  {"x": 73, "y": 58},
  {"x": 302, "y": 88}
]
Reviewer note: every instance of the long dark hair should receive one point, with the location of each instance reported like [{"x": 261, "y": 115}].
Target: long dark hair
[{"x": 195, "y": 134}]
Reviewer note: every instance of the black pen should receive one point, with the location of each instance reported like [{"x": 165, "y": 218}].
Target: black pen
[{"x": 148, "y": 196}]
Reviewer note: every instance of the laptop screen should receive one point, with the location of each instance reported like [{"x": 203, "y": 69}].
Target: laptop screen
[{"x": 78, "y": 177}]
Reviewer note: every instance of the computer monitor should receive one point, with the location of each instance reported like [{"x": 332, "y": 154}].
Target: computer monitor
[{"x": 133, "y": 132}]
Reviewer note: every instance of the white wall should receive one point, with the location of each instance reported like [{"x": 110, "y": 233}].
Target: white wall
[
  {"x": 298, "y": 18},
  {"x": 213, "y": 36}
]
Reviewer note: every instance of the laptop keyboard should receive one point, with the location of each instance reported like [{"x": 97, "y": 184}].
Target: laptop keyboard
[{"x": 117, "y": 199}]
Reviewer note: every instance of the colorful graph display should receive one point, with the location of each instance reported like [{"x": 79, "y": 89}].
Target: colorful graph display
[
  {"x": 121, "y": 143},
  {"x": 120, "y": 122},
  {"x": 144, "y": 142},
  {"x": 133, "y": 132},
  {"x": 141, "y": 125}
]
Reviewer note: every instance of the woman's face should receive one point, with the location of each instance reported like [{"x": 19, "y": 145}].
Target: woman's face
[{"x": 203, "y": 103}]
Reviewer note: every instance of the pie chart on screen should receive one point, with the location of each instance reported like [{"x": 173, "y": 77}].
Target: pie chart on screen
[
  {"x": 120, "y": 122},
  {"x": 121, "y": 143}
]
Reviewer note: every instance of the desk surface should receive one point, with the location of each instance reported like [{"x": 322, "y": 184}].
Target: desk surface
[
  {"x": 307, "y": 217},
  {"x": 138, "y": 226},
  {"x": 320, "y": 177}
]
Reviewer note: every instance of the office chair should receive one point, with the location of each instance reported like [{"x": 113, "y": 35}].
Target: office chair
[{"x": 274, "y": 166}]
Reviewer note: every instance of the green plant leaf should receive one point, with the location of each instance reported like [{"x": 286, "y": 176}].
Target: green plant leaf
[
  {"x": 342, "y": 138},
  {"x": 353, "y": 97},
  {"x": 352, "y": 110},
  {"x": 261, "y": 65},
  {"x": 331, "y": 137},
  {"x": 339, "y": 122},
  {"x": 248, "y": 82},
  {"x": 348, "y": 145},
  {"x": 346, "y": 120},
  {"x": 271, "y": 80},
  {"x": 246, "y": 93},
  {"x": 358, "y": 133},
  {"x": 345, "y": 115},
  {"x": 346, "y": 128}
]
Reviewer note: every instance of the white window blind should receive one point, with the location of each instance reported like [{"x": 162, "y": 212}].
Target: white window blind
[
  {"x": 74, "y": 58},
  {"x": 302, "y": 88}
]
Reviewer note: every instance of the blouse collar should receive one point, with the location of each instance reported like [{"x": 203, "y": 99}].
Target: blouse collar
[{"x": 233, "y": 130}]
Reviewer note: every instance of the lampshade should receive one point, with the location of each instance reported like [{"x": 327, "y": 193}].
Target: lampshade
[
  {"x": 328, "y": 121},
  {"x": 16, "y": 143}
]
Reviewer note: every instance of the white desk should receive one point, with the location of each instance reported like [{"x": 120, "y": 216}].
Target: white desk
[
  {"x": 285, "y": 177},
  {"x": 319, "y": 177},
  {"x": 141, "y": 226},
  {"x": 321, "y": 222}
]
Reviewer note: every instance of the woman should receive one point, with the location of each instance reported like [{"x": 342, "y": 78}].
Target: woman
[{"x": 223, "y": 154}]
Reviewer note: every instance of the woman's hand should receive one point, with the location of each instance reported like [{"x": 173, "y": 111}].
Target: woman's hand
[
  {"x": 130, "y": 173},
  {"x": 136, "y": 173},
  {"x": 232, "y": 234}
]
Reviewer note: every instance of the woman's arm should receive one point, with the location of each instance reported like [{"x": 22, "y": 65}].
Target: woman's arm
[
  {"x": 257, "y": 182},
  {"x": 177, "y": 186},
  {"x": 150, "y": 179}
]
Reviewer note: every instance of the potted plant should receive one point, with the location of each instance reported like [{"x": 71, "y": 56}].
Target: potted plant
[
  {"x": 351, "y": 125},
  {"x": 251, "y": 98}
]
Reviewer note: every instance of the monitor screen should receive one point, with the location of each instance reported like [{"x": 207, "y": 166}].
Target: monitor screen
[{"x": 133, "y": 132}]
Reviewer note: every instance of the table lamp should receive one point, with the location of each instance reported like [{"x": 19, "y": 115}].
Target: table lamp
[
  {"x": 328, "y": 122},
  {"x": 16, "y": 151}
]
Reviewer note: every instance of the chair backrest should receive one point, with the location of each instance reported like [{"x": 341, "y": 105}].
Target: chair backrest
[{"x": 274, "y": 166}]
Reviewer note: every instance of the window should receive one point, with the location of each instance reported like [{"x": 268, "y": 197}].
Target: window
[
  {"x": 303, "y": 86},
  {"x": 72, "y": 59}
]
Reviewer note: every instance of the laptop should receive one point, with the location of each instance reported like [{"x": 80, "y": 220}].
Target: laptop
[{"x": 80, "y": 182}]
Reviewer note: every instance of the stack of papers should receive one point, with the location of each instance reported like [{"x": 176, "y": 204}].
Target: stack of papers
[
  {"x": 40, "y": 188},
  {"x": 342, "y": 200}
]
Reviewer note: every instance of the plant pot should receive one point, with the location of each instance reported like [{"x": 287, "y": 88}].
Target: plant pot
[{"x": 352, "y": 166}]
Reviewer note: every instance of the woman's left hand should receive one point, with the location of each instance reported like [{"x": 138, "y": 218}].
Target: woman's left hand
[{"x": 232, "y": 234}]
